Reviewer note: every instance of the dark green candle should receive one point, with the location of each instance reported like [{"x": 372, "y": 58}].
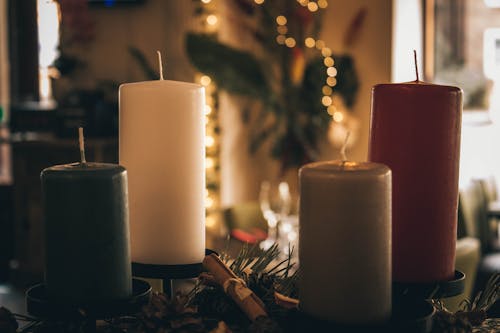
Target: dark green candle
[{"x": 86, "y": 232}]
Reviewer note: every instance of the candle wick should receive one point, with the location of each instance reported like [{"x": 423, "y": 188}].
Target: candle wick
[
  {"x": 81, "y": 141},
  {"x": 416, "y": 64},
  {"x": 344, "y": 147},
  {"x": 160, "y": 65}
]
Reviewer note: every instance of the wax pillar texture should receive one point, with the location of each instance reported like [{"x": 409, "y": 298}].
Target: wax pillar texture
[
  {"x": 345, "y": 241},
  {"x": 86, "y": 232},
  {"x": 415, "y": 130},
  {"x": 162, "y": 145}
]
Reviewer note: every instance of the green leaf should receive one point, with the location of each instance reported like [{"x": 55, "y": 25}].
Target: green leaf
[{"x": 235, "y": 71}]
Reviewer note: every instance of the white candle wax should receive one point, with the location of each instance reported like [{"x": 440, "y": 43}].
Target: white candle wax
[
  {"x": 345, "y": 241},
  {"x": 162, "y": 133}
]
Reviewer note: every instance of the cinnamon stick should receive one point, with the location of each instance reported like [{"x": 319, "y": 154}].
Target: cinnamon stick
[{"x": 246, "y": 300}]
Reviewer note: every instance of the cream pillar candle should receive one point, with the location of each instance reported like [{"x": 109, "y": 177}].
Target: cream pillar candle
[
  {"x": 162, "y": 135},
  {"x": 345, "y": 241}
]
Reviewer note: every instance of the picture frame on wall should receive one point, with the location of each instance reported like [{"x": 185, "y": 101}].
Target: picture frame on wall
[{"x": 456, "y": 48}]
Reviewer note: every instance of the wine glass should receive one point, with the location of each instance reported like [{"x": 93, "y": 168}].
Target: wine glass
[{"x": 275, "y": 204}]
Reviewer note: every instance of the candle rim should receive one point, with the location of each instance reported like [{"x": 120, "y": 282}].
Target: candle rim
[
  {"x": 345, "y": 166},
  {"x": 88, "y": 167},
  {"x": 156, "y": 83},
  {"x": 419, "y": 84}
]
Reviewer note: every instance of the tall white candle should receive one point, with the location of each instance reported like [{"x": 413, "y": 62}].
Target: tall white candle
[
  {"x": 345, "y": 241},
  {"x": 162, "y": 133}
]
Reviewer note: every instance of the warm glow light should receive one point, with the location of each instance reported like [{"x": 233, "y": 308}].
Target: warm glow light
[
  {"x": 212, "y": 19},
  {"x": 328, "y": 61},
  {"x": 292, "y": 235},
  {"x": 290, "y": 42},
  {"x": 322, "y": 4},
  {"x": 331, "y": 81},
  {"x": 303, "y": 2},
  {"x": 209, "y": 202},
  {"x": 338, "y": 116},
  {"x": 282, "y": 29},
  {"x": 312, "y": 6},
  {"x": 205, "y": 80},
  {"x": 310, "y": 42},
  {"x": 281, "y": 20},
  {"x": 209, "y": 163},
  {"x": 320, "y": 44},
  {"x": 210, "y": 222},
  {"x": 326, "y": 100},
  {"x": 259, "y": 2},
  {"x": 331, "y": 110},
  {"x": 327, "y": 90},
  {"x": 209, "y": 141},
  {"x": 280, "y": 39},
  {"x": 326, "y": 52},
  {"x": 331, "y": 71},
  {"x": 208, "y": 110},
  {"x": 206, "y": 1}
]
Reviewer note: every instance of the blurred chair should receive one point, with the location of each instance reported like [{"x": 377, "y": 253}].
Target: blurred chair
[
  {"x": 468, "y": 256},
  {"x": 473, "y": 210},
  {"x": 245, "y": 222},
  {"x": 474, "y": 202}
]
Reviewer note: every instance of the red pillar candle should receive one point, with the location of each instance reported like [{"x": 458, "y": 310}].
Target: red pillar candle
[{"x": 415, "y": 130}]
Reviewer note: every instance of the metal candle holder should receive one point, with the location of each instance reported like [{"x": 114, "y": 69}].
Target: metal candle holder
[
  {"x": 411, "y": 310},
  {"x": 167, "y": 273},
  {"x": 39, "y": 305}
]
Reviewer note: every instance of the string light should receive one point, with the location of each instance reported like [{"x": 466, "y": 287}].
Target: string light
[
  {"x": 320, "y": 44},
  {"x": 282, "y": 29},
  {"x": 326, "y": 100},
  {"x": 209, "y": 163},
  {"x": 212, "y": 19},
  {"x": 281, "y": 20},
  {"x": 331, "y": 81},
  {"x": 331, "y": 71},
  {"x": 208, "y": 109},
  {"x": 325, "y": 52},
  {"x": 327, "y": 90},
  {"x": 205, "y": 80},
  {"x": 213, "y": 221},
  {"x": 328, "y": 61},
  {"x": 209, "y": 141},
  {"x": 259, "y": 2},
  {"x": 312, "y": 6},
  {"x": 322, "y": 4},
  {"x": 309, "y": 42},
  {"x": 290, "y": 42},
  {"x": 338, "y": 116},
  {"x": 331, "y": 110}
]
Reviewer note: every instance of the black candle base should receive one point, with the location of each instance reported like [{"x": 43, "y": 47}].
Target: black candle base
[
  {"x": 410, "y": 319},
  {"x": 39, "y": 305},
  {"x": 429, "y": 290},
  {"x": 166, "y": 273}
]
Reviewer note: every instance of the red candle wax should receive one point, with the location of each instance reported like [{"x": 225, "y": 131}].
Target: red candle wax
[{"x": 415, "y": 130}]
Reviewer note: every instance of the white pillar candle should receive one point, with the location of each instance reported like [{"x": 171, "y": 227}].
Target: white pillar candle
[
  {"x": 162, "y": 145},
  {"x": 345, "y": 241}
]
